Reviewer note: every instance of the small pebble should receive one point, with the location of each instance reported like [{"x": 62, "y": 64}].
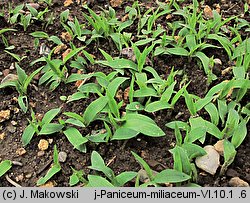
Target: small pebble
[
  {"x": 34, "y": 5},
  {"x": 2, "y": 135},
  {"x": 43, "y": 144},
  {"x": 4, "y": 115},
  {"x": 217, "y": 61},
  {"x": 40, "y": 153},
  {"x": 209, "y": 162},
  {"x": 20, "y": 151},
  {"x": 62, "y": 156},
  {"x": 6, "y": 72},
  {"x": 11, "y": 128},
  {"x": 29, "y": 175},
  {"x": 13, "y": 123},
  {"x": 237, "y": 182},
  {"x": 50, "y": 141},
  {"x": 12, "y": 67},
  {"x": 219, "y": 147},
  {"x": 19, "y": 178},
  {"x": 49, "y": 184}
]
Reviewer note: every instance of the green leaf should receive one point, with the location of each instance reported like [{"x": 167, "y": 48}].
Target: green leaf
[
  {"x": 239, "y": 134},
  {"x": 5, "y": 166},
  {"x": 73, "y": 180},
  {"x": 6, "y": 30},
  {"x": 124, "y": 133},
  {"x": 21, "y": 74},
  {"x": 114, "y": 85},
  {"x": 143, "y": 124},
  {"x": 55, "y": 39},
  {"x": 76, "y": 96},
  {"x": 12, "y": 83},
  {"x": 119, "y": 64},
  {"x": 97, "y": 163},
  {"x": 123, "y": 178},
  {"x": 93, "y": 109},
  {"x": 106, "y": 55},
  {"x": 171, "y": 176},
  {"x": 113, "y": 106},
  {"x": 203, "y": 102},
  {"x": 190, "y": 103},
  {"x": 144, "y": 165},
  {"x": 181, "y": 160},
  {"x": 23, "y": 103},
  {"x": 40, "y": 34},
  {"x": 214, "y": 130},
  {"x": 178, "y": 135},
  {"x": 229, "y": 155},
  {"x": 50, "y": 115},
  {"x": 74, "y": 115},
  {"x": 27, "y": 81},
  {"x": 76, "y": 138},
  {"x": 222, "y": 109},
  {"x": 98, "y": 181},
  {"x": 27, "y": 135},
  {"x": 213, "y": 113},
  {"x": 52, "y": 171},
  {"x": 195, "y": 133},
  {"x": 177, "y": 51},
  {"x": 157, "y": 105},
  {"x": 232, "y": 122},
  {"x": 145, "y": 92},
  {"x": 134, "y": 106},
  {"x": 72, "y": 53},
  {"x": 193, "y": 150},
  {"x": 75, "y": 122},
  {"x": 50, "y": 128},
  {"x": 182, "y": 125},
  {"x": 144, "y": 41},
  {"x": 205, "y": 61}
]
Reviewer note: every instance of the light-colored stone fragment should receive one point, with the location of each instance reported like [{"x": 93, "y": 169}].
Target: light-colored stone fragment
[
  {"x": 4, "y": 115},
  {"x": 209, "y": 162},
  {"x": 219, "y": 147},
  {"x": 43, "y": 145},
  {"x": 237, "y": 182},
  {"x": 20, "y": 151},
  {"x": 62, "y": 156}
]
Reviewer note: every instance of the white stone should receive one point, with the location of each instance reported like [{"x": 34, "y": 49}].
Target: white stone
[{"x": 209, "y": 162}]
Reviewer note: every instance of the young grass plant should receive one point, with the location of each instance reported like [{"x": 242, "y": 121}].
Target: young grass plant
[
  {"x": 98, "y": 164},
  {"x": 165, "y": 176},
  {"x": 56, "y": 167},
  {"x": 21, "y": 84},
  {"x": 43, "y": 127}
]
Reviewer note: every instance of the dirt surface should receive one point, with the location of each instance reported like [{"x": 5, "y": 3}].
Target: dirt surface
[{"x": 154, "y": 150}]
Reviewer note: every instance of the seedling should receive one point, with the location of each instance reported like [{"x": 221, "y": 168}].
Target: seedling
[
  {"x": 106, "y": 26},
  {"x": 55, "y": 71},
  {"x": 56, "y": 167},
  {"x": 77, "y": 177},
  {"x": 21, "y": 84},
  {"x": 2, "y": 31},
  {"x": 165, "y": 176},
  {"x": 98, "y": 164},
  {"x": 41, "y": 127}
]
